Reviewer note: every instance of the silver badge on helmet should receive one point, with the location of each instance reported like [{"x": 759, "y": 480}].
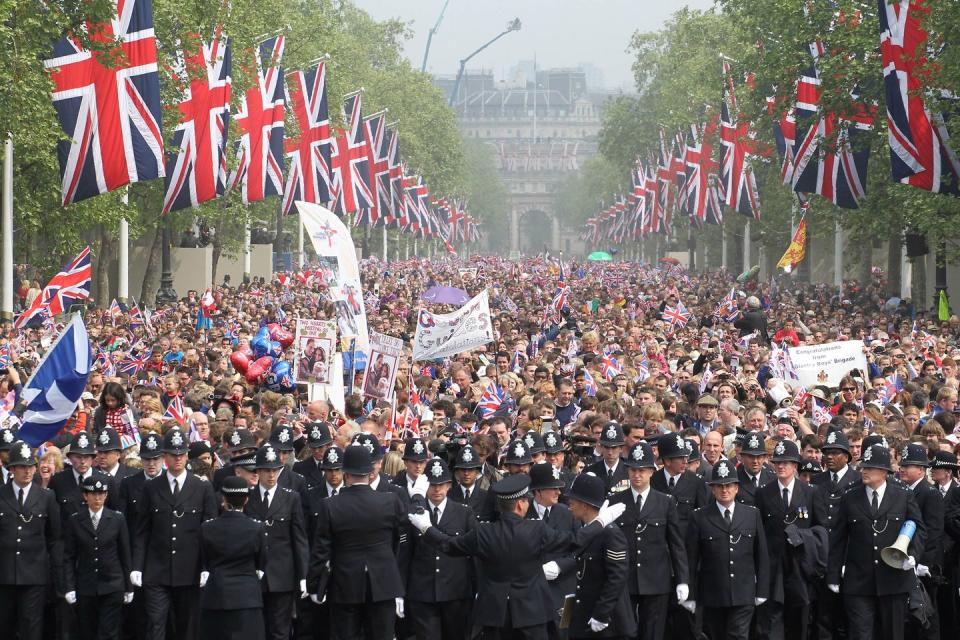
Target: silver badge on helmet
[
  {"x": 723, "y": 471},
  {"x": 24, "y": 451},
  {"x": 612, "y": 433},
  {"x": 638, "y": 453},
  {"x": 270, "y": 455},
  {"x": 235, "y": 438},
  {"x": 436, "y": 469},
  {"x": 283, "y": 436},
  {"x": 519, "y": 451},
  {"x": 82, "y": 441},
  {"x": 754, "y": 442},
  {"x": 467, "y": 455},
  {"x": 781, "y": 449},
  {"x": 151, "y": 444},
  {"x": 418, "y": 447},
  {"x": 333, "y": 456},
  {"x": 832, "y": 437},
  {"x": 104, "y": 437},
  {"x": 868, "y": 454},
  {"x": 176, "y": 439}
]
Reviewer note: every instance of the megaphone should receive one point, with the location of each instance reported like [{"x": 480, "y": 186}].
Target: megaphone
[{"x": 896, "y": 554}]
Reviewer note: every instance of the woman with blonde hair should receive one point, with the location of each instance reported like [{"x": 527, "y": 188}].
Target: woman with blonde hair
[{"x": 51, "y": 463}]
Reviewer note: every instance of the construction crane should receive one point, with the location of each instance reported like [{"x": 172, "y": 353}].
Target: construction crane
[
  {"x": 514, "y": 25},
  {"x": 436, "y": 27}
]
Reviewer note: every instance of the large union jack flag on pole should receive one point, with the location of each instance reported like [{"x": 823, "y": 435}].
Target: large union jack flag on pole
[
  {"x": 308, "y": 178},
  {"x": 739, "y": 182},
  {"x": 920, "y": 154},
  {"x": 378, "y": 165},
  {"x": 68, "y": 287},
  {"x": 259, "y": 171},
  {"x": 197, "y": 171},
  {"x": 348, "y": 161},
  {"x": 108, "y": 105},
  {"x": 397, "y": 195}
]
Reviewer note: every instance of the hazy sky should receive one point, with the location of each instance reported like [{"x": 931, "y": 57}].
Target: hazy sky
[{"x": 561, "y": 33}]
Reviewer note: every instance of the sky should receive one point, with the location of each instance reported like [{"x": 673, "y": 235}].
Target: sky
[{"x": 560, "y": 33}]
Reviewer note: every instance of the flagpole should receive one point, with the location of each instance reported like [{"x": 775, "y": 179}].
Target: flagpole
[
  {"x": 385, "y": 243},
  {"x": 123, "y": 255},
  {"x": 746, "y": 246},
  {"x": 300, "y": 259},
  {"x": 6, "y": 307},
  {"x": 246, "y": 254},
  {"x": 838, "y": 255}
]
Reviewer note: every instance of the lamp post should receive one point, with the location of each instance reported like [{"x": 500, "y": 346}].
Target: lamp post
[{"x": 166, "y": 294}]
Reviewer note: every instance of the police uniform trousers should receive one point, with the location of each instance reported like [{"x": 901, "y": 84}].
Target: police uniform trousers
[
  {"x": 536, "y": 632},
  {"x": 231, "y": 624},
  {"x": 776, "y": 621},
  {"x": 366, "y": 621},
  {"x": 727, "y": 623},
  {"x": 180, "y": 603},
  {"x": 651, "y": 611},
  {"x": 134, "y": 615},
  {"x": 278, "y": 613},
  {"x": 876, "y": 617},
  {"x": 313, "y": 621},
  {"x": 19, "y": 609},
  {"x": 829, "y": 615},
  {"x": 448, "y": 620},
  {"x": 99, "y": 617},
  {"x": 914, "y": 630}
]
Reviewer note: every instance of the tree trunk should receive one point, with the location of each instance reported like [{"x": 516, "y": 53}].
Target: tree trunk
[
  {"x": 151, "y": 275},
  {"x": 866, "y": 260},
  {"x": 894, "y": 275},
  {"x": 104, "y": 263},
  {"x": 919, "y": 284}
]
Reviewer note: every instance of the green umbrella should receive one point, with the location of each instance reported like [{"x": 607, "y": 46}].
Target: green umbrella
[{"x": 597, "y": 256}]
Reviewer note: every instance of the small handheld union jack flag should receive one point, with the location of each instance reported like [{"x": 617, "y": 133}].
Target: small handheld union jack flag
[
  {"x": 175, "y": 411},
  {"x": 677, "y": 316},
  {"x": 611, "y": 367},
  {"x": 68, "y": 287},
  {"x": 590, "y": 385},
  {"x": 491, "y": 400}
]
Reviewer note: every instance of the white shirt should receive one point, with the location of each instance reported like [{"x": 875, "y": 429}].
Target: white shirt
[
  {"x": 676, "y": 478},
  {"x": 17, "y": 490},
  {"x": 723, "y": 508},
  {"x": 95, "y": 516},
  {"x": 173, "y": 480},
  {"x": 375, "y": 482},
  {"x": 840, "y": 473},
  {"x": 914, "y": 485},
  {"x": 879, "y": 491},
  {"x": 611, "y": 470},
  {"x": 80, "y": 478},
  {"x": 464, "y": 489},
  {"x": 442, "y": 506},
  {"x": 113, "y": 472},
  {"x": 264, "y": 492},
  {"x": 643, "y": 495},
  {"x": 331, "y": 489},
  {"x": 788, "y": 487},
  {"x": 540, "y": 509}
]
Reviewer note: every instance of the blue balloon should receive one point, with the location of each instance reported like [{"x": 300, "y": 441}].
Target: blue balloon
[
  {"x": 280, "y": 369},
  {"x": 261, "y": 342},
  {"x": 275, "y": 350}
]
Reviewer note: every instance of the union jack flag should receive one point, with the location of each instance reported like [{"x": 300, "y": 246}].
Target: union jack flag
[
  {"x": 398, "y": 200},
  {"x": 259, "y": 171},
  {"x": 703, "y": 201},
  {"x": 493, "y": 396},
  {"x": 5, "y": 358},
  {"x": 68, "y": 287},
  {"x": 308, "y": 178},
  {"x": 197, "y": 171},
  {"x": 350, "y": 178},
  {"x": 920, "y": 154},
  {"x": 740, "y": 183},
  {"x": 132, "y": 365},
  {"x": 785, "y": 135},
  {"x": 728, "y": 309},
  {"x": 175, "y": 410},
  {"x": 589, "y": 384},
  {"x": 136, "y": 317},
  {"x": 108, "y": 104},
  {"x": 610, "y": 367},
  {"x": 677, "y": 316},
  {"x": 378, "y": 166}
]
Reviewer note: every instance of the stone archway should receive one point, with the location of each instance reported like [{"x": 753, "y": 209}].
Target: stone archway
[{"x": 534, "y": 230}]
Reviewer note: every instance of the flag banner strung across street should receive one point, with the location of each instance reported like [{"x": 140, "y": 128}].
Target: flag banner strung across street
[
  {"x": 316, "y": 344},
  {"x": 381, "y": 371},
  {"x": 52, "y": 392},
  {"x": 797, "y": 250},
  {"x": 443, "y": 335},
  {"x": 827, "y": 363}
]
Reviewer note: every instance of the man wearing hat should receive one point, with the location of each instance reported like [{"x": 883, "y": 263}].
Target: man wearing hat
[
  {"x": 536, "y": 446},
  {"x": 513, "y": 598},
  {"x": 707, "y": 407},
  {"x": 379, "y": 481},
  {"x": 8, "y": 435},
  {"x": 656, "y": 556},
  {"x": 944, "y": 476},
  {"x": 66, "y": 484},
  {"x": 914, "y": 462},
  {"x": 687, "y": 488},
  {"x": 601, "y": 606},
  {"x": 727, "y": 551},
  {"x": 753, "y": 472},
  {"x": 30, "y": 551},
  {"x": 555, "y": 450},
  {"x": 166, "y": 544},
  {"x": 560, "y": 567},
  {"x": 109, "y": 452},
  {"x": 96, "y": 564},
  {"x": 610, "y": 467},
  {"x": 788, "y": 501},
  {"x": 516, "y": 460},
  {"x": 359, "y": 535},
  {"x": 466, "y": 471},
  {"x": 282, "y": 440},
  {"x": 241, "y": 444},
  {"x": 411, "y": 479},
  {"x": 440, "y": 587},
  {"x": 869, "y": 520},
  {"x": 318, "y": 441},
  {"x": 830, "y": 485},
  {"x": 285, "y": 543}
]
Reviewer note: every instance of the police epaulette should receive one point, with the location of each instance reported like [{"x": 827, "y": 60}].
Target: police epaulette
[{"x": 286, "y": 489}]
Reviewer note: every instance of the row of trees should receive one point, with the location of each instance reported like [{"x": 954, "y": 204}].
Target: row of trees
[
  {"x": 678, "y": 76},
  {"x": 363, "y": 53}
]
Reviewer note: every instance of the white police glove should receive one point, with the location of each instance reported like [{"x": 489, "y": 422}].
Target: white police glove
[
  {"x": 923, "y": 571},
  {"x": 128, "y": 597},
  {"x": 689, "y": 605},
  {"x": 136, "y": 578},
  {"x": 610, "y": 512},
  {"x": 596, "y": 626},
  {"x": 759, "y": 601},
  {"x": 683, "y": 592},
  {"x": 204, "y": 576},
  {"x": 835, "y": 588},
  {"x": 260, "y": 574},
  {"x": 316, "y": 599},
  {"x": 303, "y": 589},
  {"x": 551, "y": 570},
  {"x": 420, "y": 520},
  {"x": 909, "y": 563},
  {"x": 399, "y": 603},
  {"x": 70, "y": 597}
]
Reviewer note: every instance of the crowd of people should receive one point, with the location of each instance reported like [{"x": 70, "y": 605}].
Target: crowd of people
[{"x": 642, "y": 475}]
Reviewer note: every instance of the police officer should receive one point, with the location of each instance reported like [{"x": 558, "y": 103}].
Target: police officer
[
  {"x": 944, "y": 474},
  {"x": 686, "y": 487},
  {"x": 440, "y": 587},
  {"x": 241, "y": 444},
  {"x": 516, "y": 461},
  {"x": 914, "y": 462},
  {"x": 30, "y": 545},
  {"x": 234, "y": 557},
  {"x": 513, "y": 598},
  {"x": 536, "y": 446},
  {"x": 66, "y": 484},
  {"x": 601, "y": 606},
  {"x": 788, "y": 502},
  {"x": 319, "y": 441},
  {"x": 728, "y": 558},
  {"x": 411, "y": 479},
  {"x": 753, "y": 472},
  {"x": 166, "y": 549},
  {"x": 555, "y": 450},
  {"x": 282, "y": 440},
  {"x": 109, "y": 452},
  {"x": 97, "y": 563},
  {"x": 285, "y": 538},
  {"x": 869, "y": 520},
  {"x": 379, "y": 481},
  {"x": 831, "y": 484},
  {"x": 610, "y": 466},
  {"x": 358, "y": 537},
  {"x": 8, "y": 435},
  {"x": 466, "y": 470},
  {"x": 656, "y": 556}
]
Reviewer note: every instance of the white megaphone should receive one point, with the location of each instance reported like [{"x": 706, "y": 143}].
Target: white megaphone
[{"x": 896, "y": 554}]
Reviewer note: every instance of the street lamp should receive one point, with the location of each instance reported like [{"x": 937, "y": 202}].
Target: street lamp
[{"x": 513, "y": 25}]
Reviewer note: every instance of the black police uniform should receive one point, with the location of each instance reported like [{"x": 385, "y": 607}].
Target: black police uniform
[
  {"x": 468, "y": 458},
  {"x": 233, "y": 550},
  {"x": 319, "y": 440},
  {"x": 874, "y": 594},
  {"x": 931, "y": 506},
  {"x": 166, "y": 547},
  {"x": 689, "y": 491},
  {"x": 96, "y": 567},
  {"x": 614, "y": 479},
  {"x": 30, "y": 551},
  {"x": 312, "y": 471}
]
